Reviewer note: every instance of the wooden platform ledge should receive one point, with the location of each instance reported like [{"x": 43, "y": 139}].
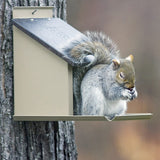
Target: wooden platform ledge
[{"x": 133, "y": 116}]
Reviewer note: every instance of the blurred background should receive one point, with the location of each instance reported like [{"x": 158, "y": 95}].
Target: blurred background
[{"x": 135, "y": 27}]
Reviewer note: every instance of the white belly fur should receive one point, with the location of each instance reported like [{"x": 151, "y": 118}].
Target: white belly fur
[{"x": 115, "y": 107}]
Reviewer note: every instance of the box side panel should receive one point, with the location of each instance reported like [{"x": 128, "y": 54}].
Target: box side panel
[
  {"x": 70, "y": 89},
  {"x": 40, "y": 79}
]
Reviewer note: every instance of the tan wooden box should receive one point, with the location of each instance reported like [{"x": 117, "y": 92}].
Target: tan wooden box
[{"x": 42, "y": 80}]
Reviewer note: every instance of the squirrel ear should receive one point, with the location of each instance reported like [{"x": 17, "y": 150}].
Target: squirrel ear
[
  {"x": 130, "y": 58},
  {"x": 116, "y": 63}
]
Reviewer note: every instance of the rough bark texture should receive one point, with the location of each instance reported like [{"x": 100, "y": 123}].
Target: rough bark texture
[{"x": 28, "y": 140}]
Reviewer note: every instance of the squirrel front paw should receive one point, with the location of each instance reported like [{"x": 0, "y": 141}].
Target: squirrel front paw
[{"x": 129, "y": 94}]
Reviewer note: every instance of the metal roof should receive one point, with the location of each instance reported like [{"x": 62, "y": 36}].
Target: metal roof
[{"x": 53, "y": 33}]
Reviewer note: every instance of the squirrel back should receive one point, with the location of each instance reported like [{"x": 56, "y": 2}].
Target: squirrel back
[{"x": 94, "y": 56}]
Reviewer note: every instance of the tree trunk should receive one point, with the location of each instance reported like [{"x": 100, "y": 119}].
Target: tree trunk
[{"x": 28, "y": 140}]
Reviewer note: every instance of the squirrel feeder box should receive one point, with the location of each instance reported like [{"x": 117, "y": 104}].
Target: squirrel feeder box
[{"x": 42, "y": 71}]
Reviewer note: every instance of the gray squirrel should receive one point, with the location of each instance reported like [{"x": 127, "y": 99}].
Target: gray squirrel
[{"x": 103, "y": 82}]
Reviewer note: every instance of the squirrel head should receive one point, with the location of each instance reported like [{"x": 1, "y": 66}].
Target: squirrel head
[{"x": 125, "y": 73}]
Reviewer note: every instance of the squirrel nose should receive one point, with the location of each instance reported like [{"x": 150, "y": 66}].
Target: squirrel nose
[{"x": 131, "y": 89}]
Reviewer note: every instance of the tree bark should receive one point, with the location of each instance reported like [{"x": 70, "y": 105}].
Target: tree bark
[{"x": 28, "y": 140}]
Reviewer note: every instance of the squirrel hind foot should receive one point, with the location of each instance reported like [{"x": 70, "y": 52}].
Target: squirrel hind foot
[{"x": 110, "y": 117}]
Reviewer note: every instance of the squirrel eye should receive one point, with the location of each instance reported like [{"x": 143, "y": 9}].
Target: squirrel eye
[{"x": 121, "y": 75}]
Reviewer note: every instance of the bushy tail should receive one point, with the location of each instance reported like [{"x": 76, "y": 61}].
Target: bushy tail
[{"x": 95, "y": 48}]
